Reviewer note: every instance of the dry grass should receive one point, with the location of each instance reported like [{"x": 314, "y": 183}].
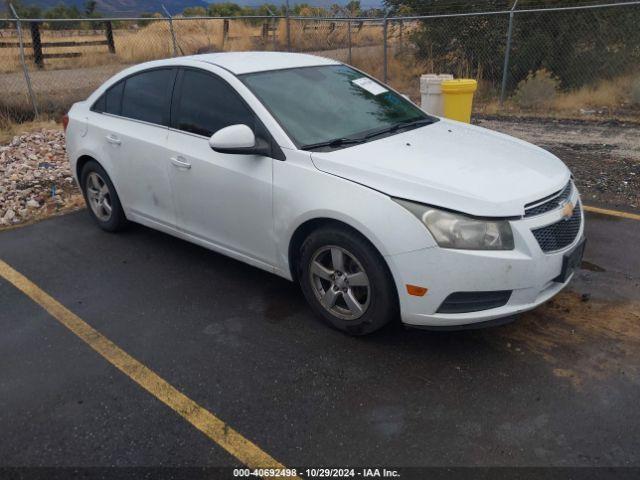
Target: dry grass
[
  {"x": 153, "y": 41},
  {"x": 609, "y": 94},
  {"x": 612, "y": 98},
  {"x": 607, "y": 98},
  {"x": 402, "y": 70},
  {"x": 132, "y": 46},
  {"x": 9, "y": 128}
]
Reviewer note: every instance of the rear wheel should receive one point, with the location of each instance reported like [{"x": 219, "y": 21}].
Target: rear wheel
[
  {"x": 346, "y": 281},
  {"x": 101, "y": 197}
]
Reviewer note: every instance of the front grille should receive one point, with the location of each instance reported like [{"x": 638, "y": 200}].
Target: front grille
[
  {"x": 549, "y": 203},
  {"x": 560, "y": 234},
  {"x": 465, "y": 302}
]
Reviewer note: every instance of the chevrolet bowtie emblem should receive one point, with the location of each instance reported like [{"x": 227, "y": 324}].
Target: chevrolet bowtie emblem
[{"x": 567, "y": 211}]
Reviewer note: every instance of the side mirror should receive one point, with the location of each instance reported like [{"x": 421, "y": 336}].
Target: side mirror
[{"x": 239, "y": 139}]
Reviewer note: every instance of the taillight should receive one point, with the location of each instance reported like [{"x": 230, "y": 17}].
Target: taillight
[{"x": 65, "y": 122}]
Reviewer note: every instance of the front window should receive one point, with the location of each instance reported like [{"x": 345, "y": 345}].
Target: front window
[
  {"x": 207, "y": 104},
  {"x": 332, "y": 106}
]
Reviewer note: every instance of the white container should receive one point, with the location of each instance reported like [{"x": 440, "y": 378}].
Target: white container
[{"x": 431, "y": 92}]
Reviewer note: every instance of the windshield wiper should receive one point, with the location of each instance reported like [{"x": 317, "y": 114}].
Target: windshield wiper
[
  {"x": 406, "y": 124},
  {"x": 339, "y": 142},
  {"x": 336, "y": 142}
]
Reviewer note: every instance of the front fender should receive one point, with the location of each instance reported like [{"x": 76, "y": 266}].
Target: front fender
[{"x": 303, "y": 193}]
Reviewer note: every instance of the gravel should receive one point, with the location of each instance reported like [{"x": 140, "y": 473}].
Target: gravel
[
  {"x": 604, "y": 157},
  {"x": 35, "y": 179}
]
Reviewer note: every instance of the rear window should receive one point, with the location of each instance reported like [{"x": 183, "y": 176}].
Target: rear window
[{"x": 147, "y": 96}]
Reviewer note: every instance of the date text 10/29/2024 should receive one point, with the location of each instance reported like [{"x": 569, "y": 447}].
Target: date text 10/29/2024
[{"x": 316, "y": 472}]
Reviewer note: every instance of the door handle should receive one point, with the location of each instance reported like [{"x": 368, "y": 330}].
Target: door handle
[
  {"x": 179, "y": 162},
  {"x": 113, "y": 139}
]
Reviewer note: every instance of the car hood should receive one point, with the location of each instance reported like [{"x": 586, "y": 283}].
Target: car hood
[{"x": 452, "y": 165}]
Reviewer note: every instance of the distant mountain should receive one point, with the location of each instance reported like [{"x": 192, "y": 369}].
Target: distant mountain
[{"x": 135, "y": 7}]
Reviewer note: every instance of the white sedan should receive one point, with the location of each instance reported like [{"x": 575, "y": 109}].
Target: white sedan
[{"x": 312, "y": 170}]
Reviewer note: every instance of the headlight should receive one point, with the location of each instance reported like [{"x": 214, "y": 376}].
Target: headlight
[{"x": 453, "y": 230}]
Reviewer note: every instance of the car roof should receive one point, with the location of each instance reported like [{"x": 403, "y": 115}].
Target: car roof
[{"x": 250, "y": 62}]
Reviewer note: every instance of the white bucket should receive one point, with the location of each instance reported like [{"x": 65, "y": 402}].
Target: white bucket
[{"x": 431, "y": 92}]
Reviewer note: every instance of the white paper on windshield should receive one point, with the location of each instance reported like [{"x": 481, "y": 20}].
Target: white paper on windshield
[{"x": 369, "y": 85}]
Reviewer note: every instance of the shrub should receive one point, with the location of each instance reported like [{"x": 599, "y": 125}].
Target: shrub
[{"x": 538, "y": 90}]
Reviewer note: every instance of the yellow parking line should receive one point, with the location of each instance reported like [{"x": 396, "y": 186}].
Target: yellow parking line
[
  {"x": 233, "y": 442},
  {"x": 614, "y": 213}
]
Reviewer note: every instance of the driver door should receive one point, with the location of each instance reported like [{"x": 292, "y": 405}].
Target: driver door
[{"x": 222, "y": 200}]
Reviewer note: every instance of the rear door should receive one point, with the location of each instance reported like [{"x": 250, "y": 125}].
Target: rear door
[
  {"x": 221, "y": 199},
  {"x": 135, "y": 133}
]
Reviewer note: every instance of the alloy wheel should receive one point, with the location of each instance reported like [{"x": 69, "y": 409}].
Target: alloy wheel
[
  {"x": 99, "y": 197},
  {"x": 339, "y": 282}
]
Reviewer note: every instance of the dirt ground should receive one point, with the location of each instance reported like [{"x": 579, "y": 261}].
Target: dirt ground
[{"x": 603, "y": 156}]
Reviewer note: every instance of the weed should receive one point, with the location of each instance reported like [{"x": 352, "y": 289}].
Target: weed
[{"x": 537, "y": 91}]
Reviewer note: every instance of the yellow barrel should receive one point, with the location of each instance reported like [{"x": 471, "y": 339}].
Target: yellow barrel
[{"x": 457, "y": 98}]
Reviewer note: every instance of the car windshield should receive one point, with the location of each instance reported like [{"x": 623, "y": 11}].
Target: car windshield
[{"x": 332, "y": 106}]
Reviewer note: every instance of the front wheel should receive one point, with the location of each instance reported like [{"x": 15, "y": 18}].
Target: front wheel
[{"x": 346, "y": 281}]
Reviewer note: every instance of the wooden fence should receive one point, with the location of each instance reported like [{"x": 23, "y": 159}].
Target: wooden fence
[{"x": 38, "y": 46}]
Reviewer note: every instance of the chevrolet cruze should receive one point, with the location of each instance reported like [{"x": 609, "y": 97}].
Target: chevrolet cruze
[{"x": 312, "y": 170}]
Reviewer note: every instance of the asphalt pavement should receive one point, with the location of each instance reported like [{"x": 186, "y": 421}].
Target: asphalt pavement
[{"x": 559, "y": 386}]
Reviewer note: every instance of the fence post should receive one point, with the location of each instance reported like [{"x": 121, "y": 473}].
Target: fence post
[
  {"x": 173, "y": 33},
  {"x": 288, "y": 22},
  {"x": 505, "y": 68},
  {"x": 24, "y": 63},
  {"x": 384, "y": 43},
  {"x": 225, "y": 32},
  {"x": 36, "y": 44},
  {"x": 401, "y": 27},
  {"x": 271, "y": 28},
  {"x": 108, "y": 31},
  {"x": 274, "y": 30},
  {"x": 349, "y": 37}
]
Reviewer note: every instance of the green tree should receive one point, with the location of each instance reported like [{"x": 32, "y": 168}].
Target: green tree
[
  {"x": 265, "y": 9},
  {"x": 194, "y": 12},
  {"x": 354, "y": 8},
  {"x": 25, "y": 11},
  {"x": 335, "y": 10},
  {"x": 576, "y": 46},
  {"x": 63, "y": 11},
  {"x": 144, "y": 23},
  {"x": 226, "y": 9},
  {"x": 90, "y": 7}
]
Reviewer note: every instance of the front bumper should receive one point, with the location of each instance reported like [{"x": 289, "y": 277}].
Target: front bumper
[{"x": 527, "y": 271}]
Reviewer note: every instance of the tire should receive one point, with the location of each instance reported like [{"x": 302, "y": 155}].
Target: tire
[
  {"x": 101, "y": 198},
  {"x": 335, "y": 288}
]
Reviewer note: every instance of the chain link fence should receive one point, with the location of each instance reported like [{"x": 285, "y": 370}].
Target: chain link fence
[
  {"x": 572, "y": 61},
  {"x": 565, "y": 61}
]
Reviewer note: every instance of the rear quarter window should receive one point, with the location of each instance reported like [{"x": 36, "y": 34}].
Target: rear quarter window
[
  {"x": 113, "y": 99},
  {"x": 110, "y": 101}
]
